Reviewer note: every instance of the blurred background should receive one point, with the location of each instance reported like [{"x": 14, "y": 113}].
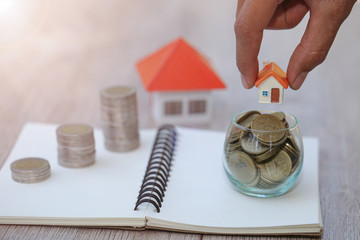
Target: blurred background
[
  {"x": 56, "y": 55},
  {"x": 64, "y": 52}
]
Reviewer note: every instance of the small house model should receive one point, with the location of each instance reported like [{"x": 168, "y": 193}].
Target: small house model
[
  {"x": 180, "y": 81},
  {"x": 271, "y": 82}
]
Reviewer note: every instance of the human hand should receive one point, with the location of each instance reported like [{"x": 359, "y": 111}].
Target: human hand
[{"x": 253, "y": 16}]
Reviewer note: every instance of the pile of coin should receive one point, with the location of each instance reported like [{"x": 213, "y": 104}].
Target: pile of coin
[
  {"x": 30, "y": 170},
  {"x": 119, "y": 118},
  {"x": 76, "y": 145},
  {"x": 262, "y": 152}
]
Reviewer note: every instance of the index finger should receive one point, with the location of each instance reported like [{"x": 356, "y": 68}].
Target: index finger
[{"x": 252, "y": 18}]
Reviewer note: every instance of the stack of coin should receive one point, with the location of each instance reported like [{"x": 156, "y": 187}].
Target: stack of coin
[
  {"x": 76, "y": 145},
  {"x": 119, "y": 118},
  {"x": 262, "y": 152},
  {"x": 30, "y": 170}
]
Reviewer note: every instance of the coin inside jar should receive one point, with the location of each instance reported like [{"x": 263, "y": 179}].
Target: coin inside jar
[
  {"x": 243, "y": 167},
  {"x": 30, "y": 170},
  {"x": 252, "y": 146},
  {"x": 281, "y": 141},
  {"x": 246, "y": 120},
  {"x": 277, "y": 169},
  {"x": 268, "y": 143},
  {"x": 280, "y": 115},
  {"x": 267, "y": 128}
]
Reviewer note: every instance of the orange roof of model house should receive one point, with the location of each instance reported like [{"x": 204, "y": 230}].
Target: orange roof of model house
[
  {"x": 177, "y": 67},
  {"x": 272, "y": 69}
]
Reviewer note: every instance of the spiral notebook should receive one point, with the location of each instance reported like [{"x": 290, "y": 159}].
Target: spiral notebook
[{"x": 193, "y": 194}]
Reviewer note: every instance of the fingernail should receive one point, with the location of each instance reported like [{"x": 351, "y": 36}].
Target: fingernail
[
  {"x": 299, "y": 80},
  {"x": 245, "y": 81}
]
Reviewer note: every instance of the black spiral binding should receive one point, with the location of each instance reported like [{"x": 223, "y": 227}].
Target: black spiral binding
[{"x": 157, "y": 172}]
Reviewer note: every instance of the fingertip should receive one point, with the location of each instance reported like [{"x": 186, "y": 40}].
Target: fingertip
[
  {"x": 246, "y": 82},
  {"x": 299, "y": 80}
]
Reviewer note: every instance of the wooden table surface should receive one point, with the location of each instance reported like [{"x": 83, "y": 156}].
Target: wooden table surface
[{"x": 55, "y": 57}]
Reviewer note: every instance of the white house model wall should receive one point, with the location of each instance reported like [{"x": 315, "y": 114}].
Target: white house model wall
[
  {"x": 265, "y": 90},
  {"x": 182, "y": 107}
]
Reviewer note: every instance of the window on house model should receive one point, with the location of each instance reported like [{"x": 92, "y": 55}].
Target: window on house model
[
  {"x": 197, "y": 106},
  {"x": 173, "y": 108},
  {"x": 265, "y": 93}
]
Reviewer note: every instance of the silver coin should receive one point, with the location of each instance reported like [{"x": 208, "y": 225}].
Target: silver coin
[
  {"x": 116, "y": 92},
  {"x": 119, "y": 118},
  {"x": 30, "y": 170},
  {"x": 75, "y": 135},
  {"x": 77, "y": 163},
  {"x": 76, "y": 145},
  {"x": 121, "y": 147}
]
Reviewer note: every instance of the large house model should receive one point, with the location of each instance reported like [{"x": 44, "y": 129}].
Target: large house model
[
  {"x": 271, "y": 82},
  {"x": 180, "y": 81}
]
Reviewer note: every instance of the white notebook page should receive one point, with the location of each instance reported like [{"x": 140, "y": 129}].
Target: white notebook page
[
  {"x": 107, "y": 189},
  {"x": 199, "y": 193},
  {"x": 105, "y": 193}
]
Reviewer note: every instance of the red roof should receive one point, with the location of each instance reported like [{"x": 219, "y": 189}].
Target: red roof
[
  {"x": 272, "y": 69},
  {"x": 177, "y": 67}
]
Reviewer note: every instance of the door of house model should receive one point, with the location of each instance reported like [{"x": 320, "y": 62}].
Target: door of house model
[{"x": 275, "y": 95}]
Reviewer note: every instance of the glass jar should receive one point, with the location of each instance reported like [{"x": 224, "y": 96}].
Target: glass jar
[{"x": 263, "y": 152}]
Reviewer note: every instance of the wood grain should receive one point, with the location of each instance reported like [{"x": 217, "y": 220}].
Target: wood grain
[{"x": 54, "y": 58}]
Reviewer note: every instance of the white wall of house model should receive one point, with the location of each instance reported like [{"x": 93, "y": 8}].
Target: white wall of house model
[
  {"x": 181, "y": 107},
  {"x": 268, "y": 89}
]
